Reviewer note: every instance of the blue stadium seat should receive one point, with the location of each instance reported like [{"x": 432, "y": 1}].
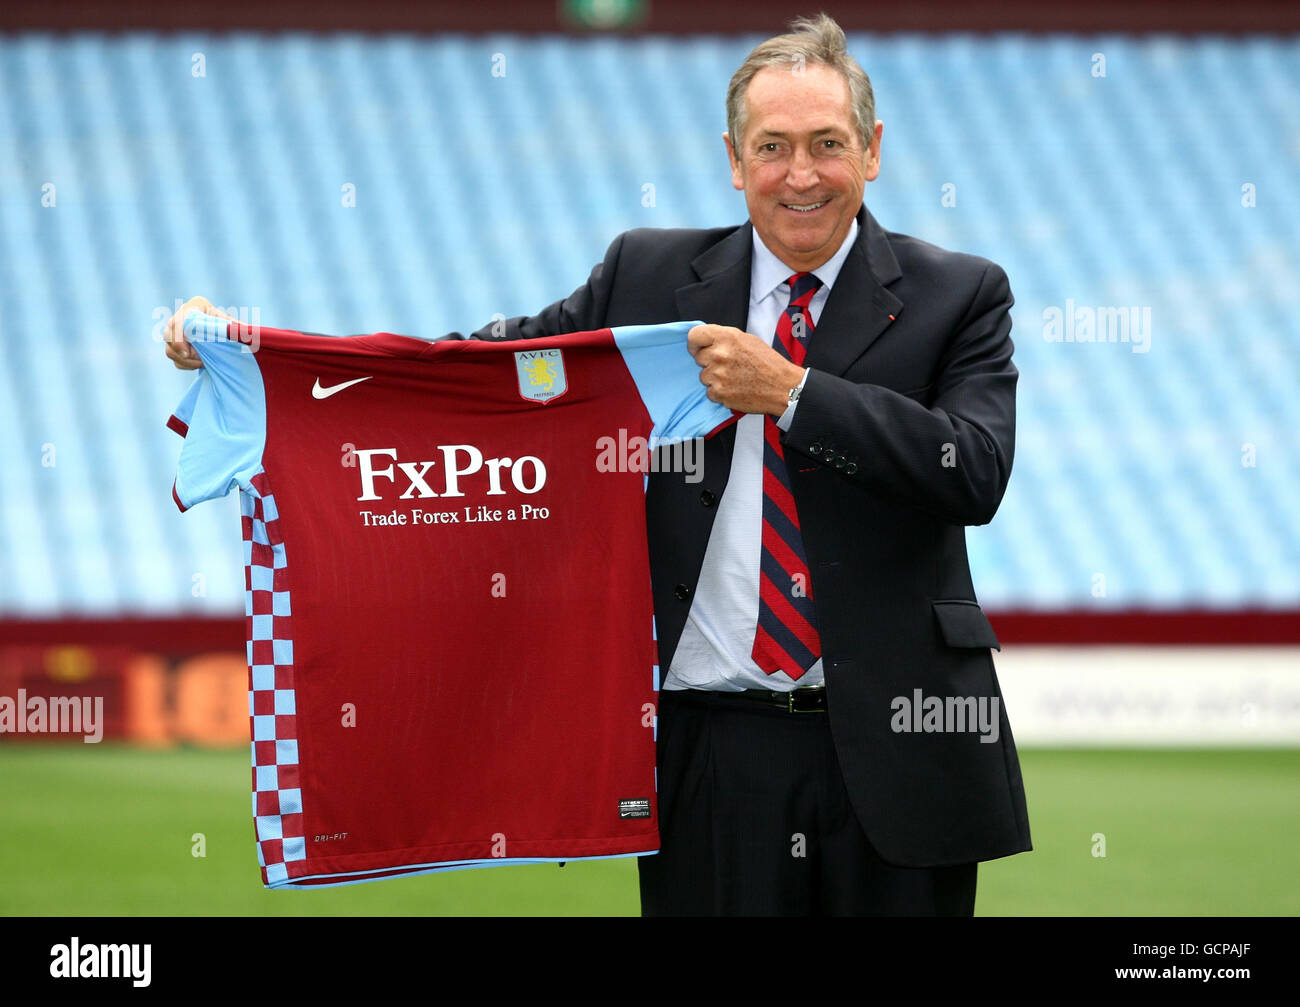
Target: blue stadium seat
[{"x": 490, "y": 173}]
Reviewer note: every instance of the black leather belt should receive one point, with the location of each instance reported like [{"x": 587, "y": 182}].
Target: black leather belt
[{"x": 806, "y": 699}]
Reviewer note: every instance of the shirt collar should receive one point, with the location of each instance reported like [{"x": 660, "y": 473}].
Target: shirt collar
[{"x": 768, "y": 272}]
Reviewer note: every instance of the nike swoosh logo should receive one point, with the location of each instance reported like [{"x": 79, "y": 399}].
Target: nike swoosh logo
[{"x": 317, "y": 392}]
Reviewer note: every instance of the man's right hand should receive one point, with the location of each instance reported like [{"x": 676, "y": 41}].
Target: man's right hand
[{"x": 180, "y": 352}]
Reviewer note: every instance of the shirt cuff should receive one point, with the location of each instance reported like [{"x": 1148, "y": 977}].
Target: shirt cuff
[{"x": 787, "y": 417}]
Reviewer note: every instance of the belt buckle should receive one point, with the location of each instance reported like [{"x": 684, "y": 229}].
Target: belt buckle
[{"x": 812, "y": 693}]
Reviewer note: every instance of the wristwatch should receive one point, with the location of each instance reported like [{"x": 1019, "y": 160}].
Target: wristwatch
[{"x": 794, "y": 392}]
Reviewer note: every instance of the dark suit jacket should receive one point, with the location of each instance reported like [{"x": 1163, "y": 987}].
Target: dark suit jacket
[{"x": 904, "y": 434}]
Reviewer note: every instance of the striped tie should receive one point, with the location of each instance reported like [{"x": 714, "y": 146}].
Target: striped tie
[{"x": 786, "y": 637}]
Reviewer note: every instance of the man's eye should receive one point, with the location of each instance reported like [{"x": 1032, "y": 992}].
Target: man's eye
[
  {"x": 768, "y": 147},
  {"x": 831, "y": 143}
]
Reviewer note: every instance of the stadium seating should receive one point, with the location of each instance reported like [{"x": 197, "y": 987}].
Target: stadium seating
[{"x": 490, "y": 173}]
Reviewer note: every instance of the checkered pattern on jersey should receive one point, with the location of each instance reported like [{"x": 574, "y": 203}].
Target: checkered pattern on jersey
[
  {"x": 654, "y": 636},
  {"x": 277, "y": 793},
  {"x": 654, "y": 645}
]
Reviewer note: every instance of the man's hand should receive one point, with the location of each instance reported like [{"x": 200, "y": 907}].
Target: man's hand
[
  {"x": 741, "y": 371},
  {"x": 180, "y": 352}
]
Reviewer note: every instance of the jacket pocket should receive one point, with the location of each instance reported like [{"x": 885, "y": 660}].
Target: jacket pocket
[{"x": 964, "y": 624}]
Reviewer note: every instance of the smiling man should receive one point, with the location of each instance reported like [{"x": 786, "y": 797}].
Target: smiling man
[
  {"x": 816, "y": 577},
  {"x": 804, "y": 161},
  {"x": 802, "y": 154},
  {"x": 822, "y": 573}
]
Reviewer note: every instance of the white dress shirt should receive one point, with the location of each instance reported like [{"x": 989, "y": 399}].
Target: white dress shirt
[{"x": 718, "y": 640}]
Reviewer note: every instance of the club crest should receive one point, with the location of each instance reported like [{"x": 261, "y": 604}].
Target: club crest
[{"x": 541, "y": 374}]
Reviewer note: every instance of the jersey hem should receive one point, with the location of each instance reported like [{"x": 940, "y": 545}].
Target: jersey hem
[
  {"x": 310, "y": 882},
  {"x": 354, "y": 867}
]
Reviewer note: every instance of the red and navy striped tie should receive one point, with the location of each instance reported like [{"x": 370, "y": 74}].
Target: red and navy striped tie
[{"x": 786, "y": 637}]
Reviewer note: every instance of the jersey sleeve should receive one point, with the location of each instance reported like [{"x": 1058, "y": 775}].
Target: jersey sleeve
[
  {"x": 668, "y": 379},
  {"x": 222, "y": 416}
]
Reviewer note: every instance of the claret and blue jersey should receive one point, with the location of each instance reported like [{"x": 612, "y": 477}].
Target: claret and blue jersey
[{"x": 450, "y": 645}]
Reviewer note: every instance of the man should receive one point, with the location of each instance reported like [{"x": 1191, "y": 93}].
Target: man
[{"x": 832, "y": 737}]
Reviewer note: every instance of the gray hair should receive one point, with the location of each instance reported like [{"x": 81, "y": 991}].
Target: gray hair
[{"x": 818, "y": 40}]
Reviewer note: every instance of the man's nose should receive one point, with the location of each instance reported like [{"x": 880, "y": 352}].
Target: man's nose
[{"x": 801, "y": 172}]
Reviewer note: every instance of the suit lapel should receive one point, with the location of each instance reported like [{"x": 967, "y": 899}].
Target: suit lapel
[
  {"x": 857, "y": 311},
  {"x": 721, "y": 296},
  {"x": 859, "y": 307}
]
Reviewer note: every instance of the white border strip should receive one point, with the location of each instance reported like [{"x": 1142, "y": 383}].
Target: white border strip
[{"x": 1156, "y": 696}]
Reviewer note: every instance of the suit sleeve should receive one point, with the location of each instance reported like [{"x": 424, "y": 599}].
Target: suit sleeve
[{"x": 952, "y": 459}]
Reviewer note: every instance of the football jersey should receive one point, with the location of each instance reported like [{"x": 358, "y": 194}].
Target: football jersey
[{"x": 450, "y": 634}]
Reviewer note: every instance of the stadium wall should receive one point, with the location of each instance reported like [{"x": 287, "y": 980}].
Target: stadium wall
[
  {"x": 1187, "y": 678},
  {"x": 671, "y": 17}
]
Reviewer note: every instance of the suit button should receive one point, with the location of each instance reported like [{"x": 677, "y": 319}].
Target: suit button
[
  {"x": 815, "y": 448},
  {"x": 707, "y": 498},
  {"x": 839, "y": 462},
  {"x": 829, "y": 456},
  {"x": 851, "y": 469},
  {"x": 682, "y": 591}
]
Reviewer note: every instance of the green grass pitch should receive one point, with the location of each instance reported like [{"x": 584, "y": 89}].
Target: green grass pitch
[{"x": 90, "y": 830}]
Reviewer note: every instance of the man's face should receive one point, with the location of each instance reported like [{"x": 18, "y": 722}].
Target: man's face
[{"x": 801, "y": 162}]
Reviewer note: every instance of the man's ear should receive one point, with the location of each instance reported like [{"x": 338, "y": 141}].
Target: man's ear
[
  {"x": 873, "y": 153},
  {"x": 737, "y": 174}
]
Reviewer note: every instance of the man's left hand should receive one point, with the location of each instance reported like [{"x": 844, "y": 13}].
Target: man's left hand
[{"x": 741, "y": 371}]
